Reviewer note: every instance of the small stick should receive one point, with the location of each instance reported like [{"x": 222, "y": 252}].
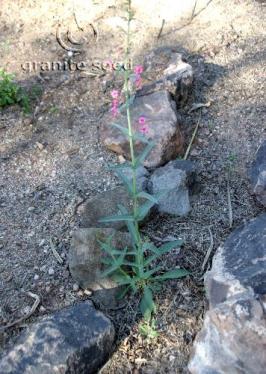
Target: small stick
[
  {"x": 230, "y": 210},
  {"x": 206, "y": 258},
  {"x": 192, "y": 138},
  {"x": 161, "y": 29},
  {"x": 23, "y": 318},
  {"x": 55, "y": 253}
]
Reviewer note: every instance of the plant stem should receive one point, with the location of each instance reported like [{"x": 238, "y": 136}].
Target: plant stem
[{"x": 131, "y": 145}]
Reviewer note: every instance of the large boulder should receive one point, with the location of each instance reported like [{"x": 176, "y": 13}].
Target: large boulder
[
  {"x": 162, "y": 128},
  {"x": 75, "y": 340},
  {"x": 85, "y": 261},
  {"x": 233, "y": 337},
  {"x": 257, "y": 174},
  {"x": 173, "y": 181}
]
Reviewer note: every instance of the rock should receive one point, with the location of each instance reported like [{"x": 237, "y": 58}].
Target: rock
[
  {"x": 177, "y": 79},
  {"x": 233, "y": 337},
  {"x": 162, "y": 127},
  {"x": 174, "y": 180},
  {"x": 85, "y": 263},
  {"x": 106, "y": 203},
  {"x": 257, "y": 175},
  {"x": 142, "y": 176},
  {"x": 75, "y": 340},
  {"x": 103, "y": 205}
]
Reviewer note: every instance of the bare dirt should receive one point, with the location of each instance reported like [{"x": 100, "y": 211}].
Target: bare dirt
[{"x": 51, "y": 160}]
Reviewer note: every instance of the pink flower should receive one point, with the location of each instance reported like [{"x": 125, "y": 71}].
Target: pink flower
[
  {"x": 115, "y": 94},
  {"x": 142, "y": 120},
  {"x": 115, "y": 102},
  {"x": 114, "y": 111},
  {"x": 138, "y": 69},
  {"x": 144, "y": 129}
]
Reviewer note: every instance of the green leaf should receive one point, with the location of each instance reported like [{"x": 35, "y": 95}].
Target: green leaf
[
  {"x": 127, "y": 104},
  {"x": 144, "y": 209},
  {"x": 124, "y": 130},
  {"x": 147, "y": 305},
  {"x": 109, "y": 271},
  {"x": 130, "y": 225},
  {"x": 117, "y": 218},
  {"x": 142, "y": 138},
  {"x": 148, "y": 274},
  {"x": 162, "y": 250},
  {"x": 172, "y": 274},
  {"x": 144, "y": 153},
  {"x": 147, "y": 196},
  {"x": 125, "y": 180}
]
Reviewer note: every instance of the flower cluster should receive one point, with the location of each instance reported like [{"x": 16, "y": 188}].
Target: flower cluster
[
  {"x": 143, "y": 128},
  {"x": 115, "y": 102},
  {"x": 138, "y": 70}
]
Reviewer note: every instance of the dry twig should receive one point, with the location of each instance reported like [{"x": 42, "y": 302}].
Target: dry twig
[
  {"x": 206, "y": 258},
  {"x": 30, "y": 313},
  {"x": 192, "y": 138}
]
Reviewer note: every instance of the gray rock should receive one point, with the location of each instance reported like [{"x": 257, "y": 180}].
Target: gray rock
[
  {"x": 177, "y": 77},
  {"x": 257, "y": 174},
  {"x": 75, "y": 340},
  {"x": 162, "y": 124},
  {"x": 173, "y": 180},
  {"x": 103, "y": 205},
  {"x": 85, "y": 261},
  {"x": 106, "y": 203},
  {"x": 142, "y": 176},
  {"x": 233, "y": 337}
]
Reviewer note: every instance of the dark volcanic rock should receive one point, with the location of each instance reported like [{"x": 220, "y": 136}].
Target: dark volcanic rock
[
  {"x": 75, "y": 340},
  {"x": 162, "y": 128},
  {"x": 233, "y": 337},
  {"x": 257, "y": 175}
]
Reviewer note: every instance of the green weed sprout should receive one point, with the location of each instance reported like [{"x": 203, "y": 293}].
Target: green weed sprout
[{"x": 11, "y": 93}]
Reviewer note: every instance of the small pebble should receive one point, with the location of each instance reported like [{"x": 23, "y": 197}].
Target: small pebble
[
  {"x": 36, "y": 277},
  {"x": 87, "y": 292},
  {"x": 80, "y": 293},
  {"x": 42, "y": 309},
  {"x": 75, "y": 287},
  {"x": 51, "y": 271}
]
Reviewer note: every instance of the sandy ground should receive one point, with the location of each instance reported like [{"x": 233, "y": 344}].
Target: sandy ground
[{"x": 51, "y": 160}]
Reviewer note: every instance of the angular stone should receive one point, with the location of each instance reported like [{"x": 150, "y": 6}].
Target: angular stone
[
  {"x": 85, "y": 261},
  {"x": 177, "y": 79},
  {"x": 257, "y": 175},
  {"x": 173, "y": 179},
  {"x": 106, "y": 203},
  {"x": 75, "y": 340},
  {"x": 103, "y": 205},
  {"x": 232, "y": 340},
  {"x": 233, "y": 337},
  {"x": 142, "y": 176},
  {"x": 163, "y": 128},
  {"x": 240, "y": 263}
]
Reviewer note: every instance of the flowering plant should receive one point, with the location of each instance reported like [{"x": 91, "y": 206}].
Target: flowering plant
[{"x": 134, "y": 268}]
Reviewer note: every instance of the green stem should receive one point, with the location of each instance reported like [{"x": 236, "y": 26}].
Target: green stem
[{"x": 131, "y": 145}]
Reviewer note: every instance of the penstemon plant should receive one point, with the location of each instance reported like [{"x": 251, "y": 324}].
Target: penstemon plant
[{"x": 133, "y": 268}]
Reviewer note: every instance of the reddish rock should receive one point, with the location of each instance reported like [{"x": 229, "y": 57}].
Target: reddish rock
[{"x": 162, "y": 123}]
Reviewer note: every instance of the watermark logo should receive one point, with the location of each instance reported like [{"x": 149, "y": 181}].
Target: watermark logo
[{"x": 70, "y": 43}]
